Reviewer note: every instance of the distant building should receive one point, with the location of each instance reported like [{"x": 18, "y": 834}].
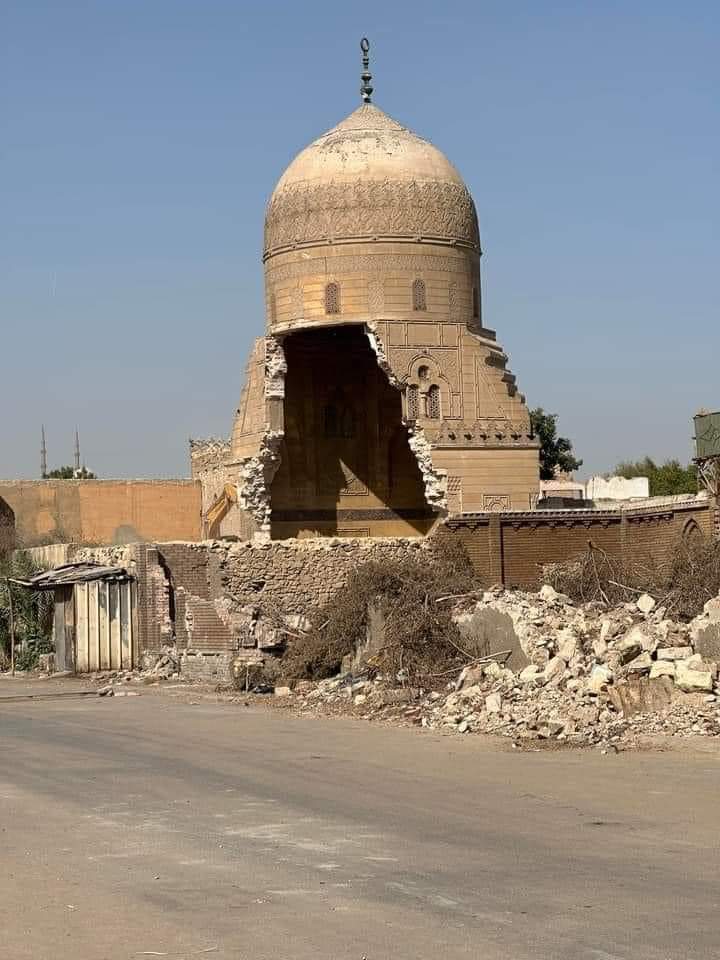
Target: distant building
[{"x": 617, "y": 488}]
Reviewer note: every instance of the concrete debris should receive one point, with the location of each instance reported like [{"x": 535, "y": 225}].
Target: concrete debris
[
  {"x": 166, "y": 665},
  {"x": 595, "y": 675},
  {"x": 645, "y": 603}
]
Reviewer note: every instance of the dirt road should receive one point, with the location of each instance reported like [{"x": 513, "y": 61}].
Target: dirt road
[{"x": 143, "y": 827}]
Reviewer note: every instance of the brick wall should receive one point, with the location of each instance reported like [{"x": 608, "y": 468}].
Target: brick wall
[
  {"x": 103, "y": 511},
  {"x": 511, "y": 548}
]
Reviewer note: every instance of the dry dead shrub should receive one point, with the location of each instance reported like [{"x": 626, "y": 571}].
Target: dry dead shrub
[
  {"x": 694, "y": 577},
  {"x": 420, "y": 636},
  {"x": 683, "y": 585}
]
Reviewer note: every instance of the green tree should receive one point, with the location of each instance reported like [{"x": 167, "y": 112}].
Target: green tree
[
  {"x": 666, "y": 479},
  {"x": 32, "y": 613},
  {"x": 68, "y": 473},
  {"x": 555, "y": 452}
]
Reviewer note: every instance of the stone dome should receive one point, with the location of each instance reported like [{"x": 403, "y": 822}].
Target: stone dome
[{"x": 369, "y": 178}]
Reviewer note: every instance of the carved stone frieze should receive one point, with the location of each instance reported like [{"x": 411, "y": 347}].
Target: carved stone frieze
[
  {"x": 376, "y": 296},
  {"x": 446, "y": 358},
  {"x": 454, "y": 307},
  {"x": 493, "y": 432},
  {"x": 318, "y": 212},
  {"x": 454, "y": 494},
  {"x": 496, "y": 502},
  {"x": 370, "y": 264}
]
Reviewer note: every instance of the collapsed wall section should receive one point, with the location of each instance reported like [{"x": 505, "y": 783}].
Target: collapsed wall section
[
  {"x": 345, "y": 464},
  {"x": 435, "y": 480},
  {"x": 217, "y": 601}
]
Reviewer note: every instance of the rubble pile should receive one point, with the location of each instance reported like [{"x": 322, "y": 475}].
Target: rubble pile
[
  {"x": 594, "y": 675},
  {"x": 160, "y": 665}
]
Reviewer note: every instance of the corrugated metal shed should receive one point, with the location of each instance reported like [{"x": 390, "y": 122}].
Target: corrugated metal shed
[
  {"x": 71, "y": 573},
  {"x": 95, "y": 621}
]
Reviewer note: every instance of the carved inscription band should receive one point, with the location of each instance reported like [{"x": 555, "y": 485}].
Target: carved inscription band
[
  {"x": 309, "y": 213},
  {"x": 375, "y": 264}
]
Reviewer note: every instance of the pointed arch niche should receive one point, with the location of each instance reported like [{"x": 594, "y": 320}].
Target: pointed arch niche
[{"x": 427, "y": 391}]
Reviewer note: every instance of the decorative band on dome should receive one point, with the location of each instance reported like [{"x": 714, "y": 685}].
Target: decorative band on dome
[{"x": 308, "y": 213}]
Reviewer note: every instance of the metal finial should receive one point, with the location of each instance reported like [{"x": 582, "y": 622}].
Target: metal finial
[{"x": 366, "y": 87}]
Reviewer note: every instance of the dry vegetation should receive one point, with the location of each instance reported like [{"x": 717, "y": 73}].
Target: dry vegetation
[
  {"x": 683, "y": 586},
  {"x": 420, "y": 636}
]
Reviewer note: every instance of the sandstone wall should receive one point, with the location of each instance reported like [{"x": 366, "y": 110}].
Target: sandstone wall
[{"x": 103, "y": 511}]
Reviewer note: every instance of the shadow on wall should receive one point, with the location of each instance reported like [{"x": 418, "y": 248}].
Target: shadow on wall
[{"x": 7, "y": 528}]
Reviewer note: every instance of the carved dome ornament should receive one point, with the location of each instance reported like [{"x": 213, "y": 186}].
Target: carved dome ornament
[{"x": 369, "y": 178}]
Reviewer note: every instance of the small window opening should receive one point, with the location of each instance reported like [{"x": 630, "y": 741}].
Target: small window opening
[
  {"x": 332, "y": 298},
  {"x": 413, "y": 402},
  {"x": 475, "y": 303},
  {"x": 433, "y": 402},
  {"x": 418, "y": 294}
]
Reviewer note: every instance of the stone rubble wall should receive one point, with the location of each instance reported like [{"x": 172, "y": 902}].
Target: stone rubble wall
[{"x": 211, "y": 599}]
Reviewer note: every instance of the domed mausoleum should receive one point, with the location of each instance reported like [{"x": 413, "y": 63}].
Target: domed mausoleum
[{"x": 378, "y": 401}]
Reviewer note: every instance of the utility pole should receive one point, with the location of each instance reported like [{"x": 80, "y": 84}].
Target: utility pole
[
  {"x": 77, "y": 452},
  {"x": 43, "y": 454}
]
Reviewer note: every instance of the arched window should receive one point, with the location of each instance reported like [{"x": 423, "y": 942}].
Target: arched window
[
  {"x": 413, "y": 402},
  {"x": 476, "y": 304},
  {"x": 332, "y": 298},
  {"x": 433, "y": 402},
  {"x": 418, "y": 294}
]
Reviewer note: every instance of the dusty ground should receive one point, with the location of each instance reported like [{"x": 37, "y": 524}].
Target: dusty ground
[{"x": 153, "y": 826}]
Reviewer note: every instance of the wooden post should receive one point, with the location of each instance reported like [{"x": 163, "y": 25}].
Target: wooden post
[{"x": 12, "y": 628}]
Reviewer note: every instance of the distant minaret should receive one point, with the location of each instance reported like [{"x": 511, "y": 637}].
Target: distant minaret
[
  {"x": 43, "y": 454},
  {"x": 77, "y": 452}
]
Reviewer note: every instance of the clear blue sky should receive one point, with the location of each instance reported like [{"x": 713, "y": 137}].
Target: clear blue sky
[{"x": 141, "y": 139}]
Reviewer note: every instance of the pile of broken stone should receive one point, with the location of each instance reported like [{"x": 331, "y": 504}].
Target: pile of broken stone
[{"x": 594, "y": 675}]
